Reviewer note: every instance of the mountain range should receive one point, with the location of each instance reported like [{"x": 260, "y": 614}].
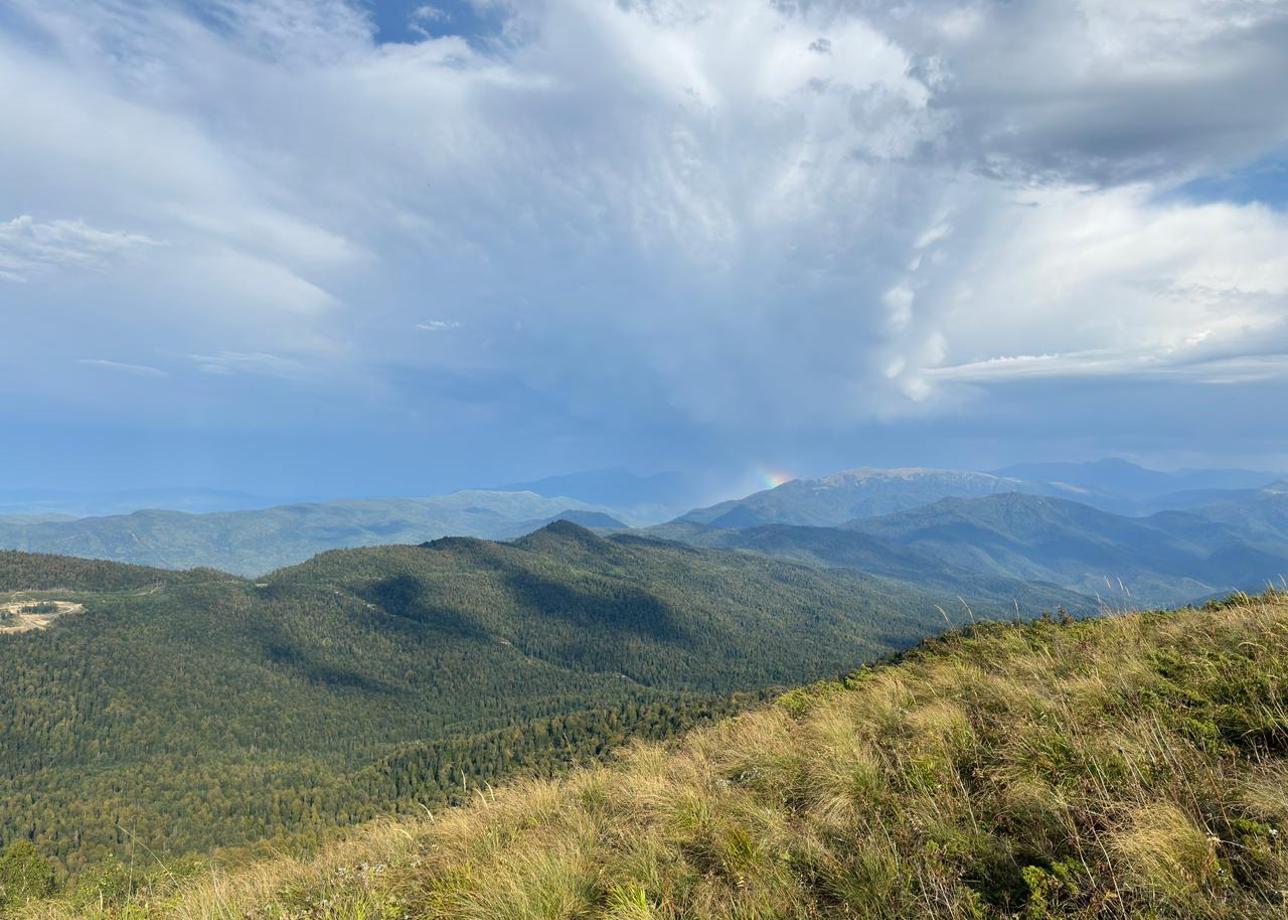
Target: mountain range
[
  {"x": 67, "y": 503},
  {"x": 1009, "y": 539},
  {"x": 840, "y": 497},
  {"x": 1121, "y": 478},
  {"x": 1108, "y": 531},
  {"x": 256, "y": 541},
  {"x": 653, "y": 497}
]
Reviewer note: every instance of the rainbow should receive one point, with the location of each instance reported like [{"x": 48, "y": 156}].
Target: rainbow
[{"x": 773, "y": 478}]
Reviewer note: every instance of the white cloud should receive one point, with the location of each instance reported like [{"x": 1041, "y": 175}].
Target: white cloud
[
  {"x": 30, "y": 248},
  {"x": 1072, "y": 283},
  {"x": 135, "y": 370},
  {"x": 739, "y": 215},
  {"x": 261, "y": 364},
  {"x": 425, "y": 15}
]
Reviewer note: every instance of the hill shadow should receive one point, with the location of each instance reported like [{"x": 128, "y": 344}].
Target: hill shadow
[
  {"x": 402, "y": 596},
  {"x": 615, "y": 606}
]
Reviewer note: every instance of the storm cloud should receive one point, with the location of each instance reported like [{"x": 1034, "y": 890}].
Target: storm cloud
[{"x": 671, "y": 232}]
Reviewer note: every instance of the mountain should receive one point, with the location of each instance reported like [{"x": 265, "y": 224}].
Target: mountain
[
  {"x": 648, "y": 498},
  {"x": 841, "y": 497},
  {"x": 591, "y": 520},
  {"x": 1168, "y": 558},
  {"x": 831, "y": 547},
  {"x": 85, "y": 504},
  {"x": 1260, "y": 514},
  {"x": 1039, "y": 551},
  {"x": 251, "y": 542},
  {"x": 1111, "y": 485},
  {"x": 180, "y": 711},
  {"x": 1129, "y": 481},
  {"x": 1118, "y": 767}
]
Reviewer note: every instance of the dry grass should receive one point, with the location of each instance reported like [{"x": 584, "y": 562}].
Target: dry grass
[{"x": 1127, "y": 767}]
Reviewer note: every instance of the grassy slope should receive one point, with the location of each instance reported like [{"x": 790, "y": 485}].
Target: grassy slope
[{"x": 1125, "y": 767}]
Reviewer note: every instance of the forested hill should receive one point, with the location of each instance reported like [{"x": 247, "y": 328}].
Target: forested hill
[
  {"x": 254, "y": 541},
  {"x": 181, "y": 711},
  {"x": 1132, "y": 766},
  {"x": 39, "y": 571}
]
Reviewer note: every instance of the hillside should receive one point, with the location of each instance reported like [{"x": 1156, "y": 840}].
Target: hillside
[
  {"x": 833, "y": 500},
  {"x": 835, "y": 547},
  {"x": 257, "y": 541},
  {"x": 1132, "y": 766},
  {"x": 1040, "y": 550},
  {"x": 187, "y": 710},
  {"x": 1261, "y": 514},
  {"x": 1167, "y": 558}
]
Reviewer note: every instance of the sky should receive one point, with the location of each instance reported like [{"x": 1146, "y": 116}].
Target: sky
[{"x": 337, "y": 248}]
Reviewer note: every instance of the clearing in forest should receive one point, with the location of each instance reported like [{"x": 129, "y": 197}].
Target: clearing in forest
[{"x": 24, "y": 615}]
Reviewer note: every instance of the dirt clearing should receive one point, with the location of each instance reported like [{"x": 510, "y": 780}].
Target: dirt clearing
[{"x": 23, "y": 616}]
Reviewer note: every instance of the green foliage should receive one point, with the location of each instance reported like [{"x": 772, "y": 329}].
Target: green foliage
[
  {"x": 40, "y": 607},
  {"x": 23, "y": 874},
  {"x": 38, "y": 572},
  {"x": 185, "y": 711},
  {"x": 1042, "y": 771}
]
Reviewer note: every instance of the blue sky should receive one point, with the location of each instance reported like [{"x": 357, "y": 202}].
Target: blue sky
[{"x": 318, "y": 247}]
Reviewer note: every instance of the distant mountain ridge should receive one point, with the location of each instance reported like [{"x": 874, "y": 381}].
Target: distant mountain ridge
[
  {"x": 1110, "y": 485},
  {"x": 253, "y": 542},
  {"x": 1169, "y": 558},
  {"x": 1029, "y": 546},
  {"x": 85, "y": 504},
  {"x": 653, "y": 497},
  {"x": 832, "y": 500},
  {"x": 1011, "y": 543},
  {"x": 598, "y": 521},
  {"x": 1113, "y": 476},
  {"x": 834, "y": 547}
]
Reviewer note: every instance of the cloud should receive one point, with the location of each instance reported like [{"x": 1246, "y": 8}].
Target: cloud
[
  {"x": 1108, "y": 282},
  {"x": 229, "y": 363},
  {"x": 1117, "y": 364},
  {"x": 752, "y": 221},
  {"x": 136, "y": 370},
  {"x": 30, "y": 248},
  {"x": 423, "y": 17},
  {"x": 1098, "y": 91}
]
